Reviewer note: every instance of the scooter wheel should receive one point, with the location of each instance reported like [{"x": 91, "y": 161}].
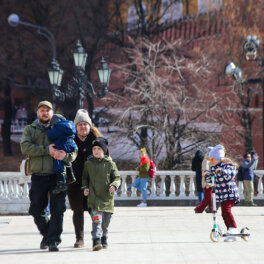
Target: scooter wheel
[
  {"x": 215, "y": 236},
  {"x": 245, "y": 231}
]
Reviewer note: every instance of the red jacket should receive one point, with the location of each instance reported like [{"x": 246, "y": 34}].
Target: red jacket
[{"x": 144, "y": 167}]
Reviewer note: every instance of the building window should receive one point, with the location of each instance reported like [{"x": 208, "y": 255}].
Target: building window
[
  {"x": 171, "y": 10},
  {"x": 133, "y": 19},
  {"x": 205, "y": 6}
]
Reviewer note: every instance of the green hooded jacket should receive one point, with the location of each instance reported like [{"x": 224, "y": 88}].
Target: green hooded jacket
[
  {"x": 98, "y": 175},
  {"x": 35, "y": 144}
]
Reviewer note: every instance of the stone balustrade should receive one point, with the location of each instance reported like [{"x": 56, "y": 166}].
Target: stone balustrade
[{"x": 167, "y": 185}]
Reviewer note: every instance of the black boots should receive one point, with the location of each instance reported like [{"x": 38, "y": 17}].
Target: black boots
[
  {"x": 70, "y": 178},
  {"x": 53, "y": 247},
  {"x": 104, "y": 242},
  {"x": 97, "y": 244},
  {"x": 43, "y": 243}
]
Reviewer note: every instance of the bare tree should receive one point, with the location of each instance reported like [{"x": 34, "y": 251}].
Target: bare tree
[{"x": 165, "y": 91}]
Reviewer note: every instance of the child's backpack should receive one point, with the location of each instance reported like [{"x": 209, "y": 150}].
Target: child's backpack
[
  {"x": 239, "y": 175},
  {"x": 152, "y": 169}
]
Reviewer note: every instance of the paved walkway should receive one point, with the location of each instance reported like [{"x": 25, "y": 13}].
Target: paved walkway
[{"x": 139, "y": 235}]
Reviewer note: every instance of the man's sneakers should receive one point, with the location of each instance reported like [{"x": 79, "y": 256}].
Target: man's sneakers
[
  {"x": 142, "y": 204},
  {"x": 231, "y": 231}
]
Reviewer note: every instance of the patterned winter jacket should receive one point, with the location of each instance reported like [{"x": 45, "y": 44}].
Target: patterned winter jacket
[{"x": 225, "y": 185}]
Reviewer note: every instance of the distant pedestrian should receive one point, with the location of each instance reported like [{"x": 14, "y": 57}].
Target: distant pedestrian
[
  {"x": 100, "y": 180},
  {"x": 141, "y": 182},
  {"x": 197, "y": 167},
  {"x": 226, "y": 190},
  {"x": 256, "y": 177},
  {"x": 207, "y": 200},
  {"x": 248, "y": 177},
  {"x": 21, "y": 115}
]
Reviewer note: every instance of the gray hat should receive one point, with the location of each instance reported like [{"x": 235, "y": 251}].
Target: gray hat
[
  {"x": 46, "y": 103},
  {"x": 217, "y": 152},
  {"x": 82, "y": 115}
]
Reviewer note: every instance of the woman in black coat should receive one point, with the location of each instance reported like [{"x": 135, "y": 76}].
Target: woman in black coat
[
  {"x": 197, "y": 167},
  {"x": 86, "y": 133}
]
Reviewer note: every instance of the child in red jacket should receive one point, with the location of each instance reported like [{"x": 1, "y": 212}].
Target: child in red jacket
[{"x": 141, "y": 182}]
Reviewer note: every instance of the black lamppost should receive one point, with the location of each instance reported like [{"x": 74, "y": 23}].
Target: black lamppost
[
  {"x": 80, "y": 83},
  {"x": 250, "y": 48},
  {"x": 55, "y": 73}
]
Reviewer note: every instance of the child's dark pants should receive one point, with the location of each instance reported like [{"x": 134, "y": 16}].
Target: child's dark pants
[
  {"x": 207, "y": 200},
  {"x": 227, "y": 215}
]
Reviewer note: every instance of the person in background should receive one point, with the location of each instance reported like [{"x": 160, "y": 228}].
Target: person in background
[
  {"x": 36, "y": 144},
  {"x": 248, "y": 176},
  {"x": 100, "y": 180},
  {"x": 207, "y": 200},
  {"x": 86, "y": 134},
  {"x": 141, "y": 182},
  {"x": 256, "y": 177},
  {"x": 197, "y": 167}
]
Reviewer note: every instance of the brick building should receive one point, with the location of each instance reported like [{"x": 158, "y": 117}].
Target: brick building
[{"x": 199, "y": 23}]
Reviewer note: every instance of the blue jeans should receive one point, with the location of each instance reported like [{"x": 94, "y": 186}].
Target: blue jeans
[
  {"x": 100, "y": 223},
  {"x": 200, "y": 196},
  {"x": 142, "y": 185}
]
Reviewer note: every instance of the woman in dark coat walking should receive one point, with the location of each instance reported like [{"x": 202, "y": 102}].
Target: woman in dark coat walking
[
  {"x": 197, "y": 167},
  {"x": 86, "y": 133}
]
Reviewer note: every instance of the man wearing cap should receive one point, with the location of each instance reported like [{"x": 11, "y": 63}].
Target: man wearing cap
[{"x": 35, "y": 144}]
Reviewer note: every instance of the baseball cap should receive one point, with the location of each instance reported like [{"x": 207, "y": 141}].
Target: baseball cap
[{"x": 46, "y": 103}]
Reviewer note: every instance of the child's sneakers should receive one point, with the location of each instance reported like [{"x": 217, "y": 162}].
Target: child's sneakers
[
  {"x": 231, "y": 231},
  {"x": 97, "y": 244},
  {"x": 61, "y": 187},
  {"x": 142, "y": 204}
]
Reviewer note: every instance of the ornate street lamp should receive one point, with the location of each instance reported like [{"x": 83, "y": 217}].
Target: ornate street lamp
[
  {"x": 104, "y": 76},
  {"x": 250, "y": 48},
  {"x": 232, "y": 69},
  {"x": 79, "y": 56},
  {"x": 55, "y": 77},
  {"x": 80, "y": 83},
  {"x": 55, "y": 73}
]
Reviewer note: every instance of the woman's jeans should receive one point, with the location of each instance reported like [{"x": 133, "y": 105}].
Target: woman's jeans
[{"x": 142, "y": 185}]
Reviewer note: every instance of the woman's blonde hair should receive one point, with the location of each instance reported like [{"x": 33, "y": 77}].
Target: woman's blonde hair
[
  {"x": 228, "y": 160},
  {"x": 96, "y": 132}
]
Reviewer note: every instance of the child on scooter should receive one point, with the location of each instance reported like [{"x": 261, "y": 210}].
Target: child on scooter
[{"x": 226, "y": 190}]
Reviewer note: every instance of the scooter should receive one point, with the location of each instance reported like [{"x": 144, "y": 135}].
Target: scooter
[{"x": 216, "y": 232}]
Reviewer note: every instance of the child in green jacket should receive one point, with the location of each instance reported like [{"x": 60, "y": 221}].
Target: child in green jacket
[{"x": 100, "y": 180}]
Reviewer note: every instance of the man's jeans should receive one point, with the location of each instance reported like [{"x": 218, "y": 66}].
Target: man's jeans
[
  {"x": 51, "y": 228},
  {"x": 100, "y": 223},
  {"x": 142, "y": 185}
]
